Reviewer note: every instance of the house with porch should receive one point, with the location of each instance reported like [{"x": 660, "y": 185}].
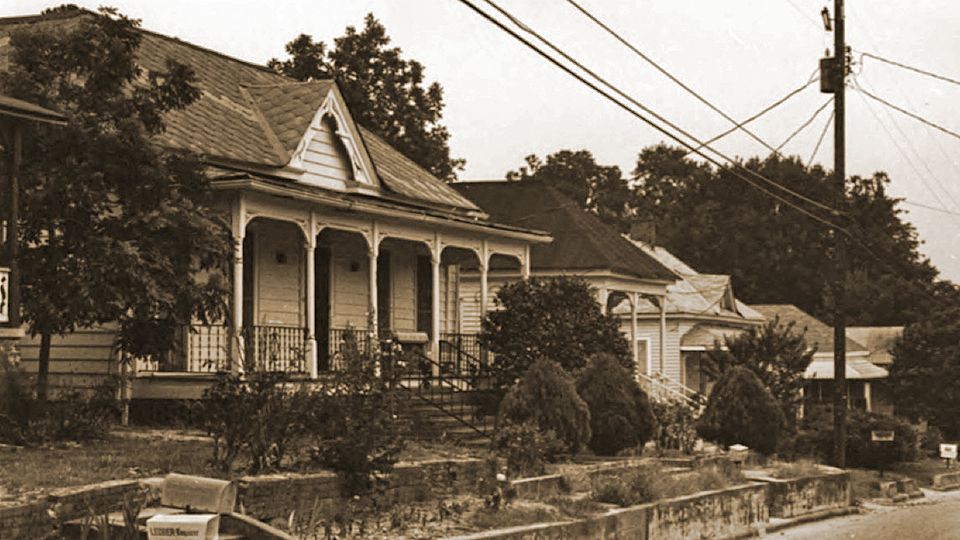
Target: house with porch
[
  {"x": 584, "y": 246},
  {"x": 861, "y": 374},
  {"x": 700, "y": 311},
  {"x": 336, "y": 234}
]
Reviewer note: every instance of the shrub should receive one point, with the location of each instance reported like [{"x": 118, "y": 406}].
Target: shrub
[
  {"x": 547, "y": 398},
  {"x": 620, "y": 413},
  {"x": 358, "y": 424},
  {"x": 526, "y": 448},
  {"x": 741, "y": 410},
  {"x": 816, "y": 438},
  {"x": 262, "y": 417},
  {"x": 556, "y": 318},
  {"x": 677, "y": 426},
  {"x": 15, "y": 402}
]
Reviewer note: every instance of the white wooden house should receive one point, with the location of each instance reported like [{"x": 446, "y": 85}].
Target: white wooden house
[{"x": 335, "y": 231}]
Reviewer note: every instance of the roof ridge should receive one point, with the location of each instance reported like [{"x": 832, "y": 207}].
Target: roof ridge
[
  {"x": 272, "y": 137},
  {"x": 290, "y": 82}
]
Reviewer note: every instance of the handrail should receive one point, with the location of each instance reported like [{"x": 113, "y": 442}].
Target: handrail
[
  {"x": 434, "y": 393},
  {"x": 661, "y": 386}
]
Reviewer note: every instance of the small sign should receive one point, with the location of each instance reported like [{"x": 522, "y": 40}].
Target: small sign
[
  {"x": 948, "y": 451},
  {"x": 184, "y": 527},
  {"x": 882, "y": 435}
]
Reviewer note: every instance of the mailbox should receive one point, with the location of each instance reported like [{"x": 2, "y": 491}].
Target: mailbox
[{"x": 198, "y": 494}]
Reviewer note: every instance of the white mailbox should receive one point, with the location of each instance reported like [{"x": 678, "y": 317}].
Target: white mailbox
[{"x": 184, "y": 527}]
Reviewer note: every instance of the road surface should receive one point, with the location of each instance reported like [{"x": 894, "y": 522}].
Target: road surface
[{"x": 934, "y": 517}]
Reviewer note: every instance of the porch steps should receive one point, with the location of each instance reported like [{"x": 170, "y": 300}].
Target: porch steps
[{"x": 448, "y": 420}]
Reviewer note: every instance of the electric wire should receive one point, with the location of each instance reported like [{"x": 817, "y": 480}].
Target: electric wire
[
  {"x": 804, "y": 14},
  {"x": 761, "y": 113},
  {"x": 580, "y": 78},
  {"x": 909, "y": 68},
  {"x": 670, "y": 76},
  {"x": 822, "y": 135},
  {"x": 908, "y": 113},
  {"x": 910, "y": 162},
  {"x": 805, "y": 124},
  {"x": 929, "y": 207}
]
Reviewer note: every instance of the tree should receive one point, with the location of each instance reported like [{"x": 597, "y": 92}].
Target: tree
[
  {"x": 557, "y": 318},
  {"x": 114, "y": 228},
  {"x": 718, "y": 223},
  {"x": 741, "y": 410},
  {"x": 775, "y": 354},
  {"x": 620, "y": 414},
  {"x": 596, "y": 188},
  {"x": 383, "y": 91},
  {"x": 546, "y": 396},
  {"x": 926, "y": 371}
]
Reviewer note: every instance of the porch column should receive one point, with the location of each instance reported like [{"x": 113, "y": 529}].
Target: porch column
[
  {"x": 866, "y": 395},
  {"x": 239, "y": 232},
  {"x": 374, "y": 253},
  {"x": 663, "y": 332},
  {"x": 484, "y": 269},
  {"x": 311, "y": 352},
  {"x": 604, "y": 295},
  {"x": 435, "y": 255},
  {"x": 634, "y": 298},
  {"x": 526, "y": 262}
]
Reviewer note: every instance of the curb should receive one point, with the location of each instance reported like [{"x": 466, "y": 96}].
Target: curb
[{"x": 800, "y": 520}]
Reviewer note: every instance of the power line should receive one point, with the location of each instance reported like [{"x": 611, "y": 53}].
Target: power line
[
  {"x": 820, "y": 140},
  {"x": 650, "y": 61},
  {"x": 643, "y": 118},
  {"x": 805, "y": 124},
  {"x": 804, "y": 14},
  {"x": 908, "y": 113},
  {"x": 904, "y": 66},
  {"x": 761, "y": 113}
]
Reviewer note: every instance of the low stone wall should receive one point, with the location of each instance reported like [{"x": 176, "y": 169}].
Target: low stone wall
[
  {"x": 946, "y": 481},
  {"x": 794, "y": 497},
  {"x": 37, "y": 519},
  {"x": 270, "y": 497},
  {"x": 713, "y": 514}
]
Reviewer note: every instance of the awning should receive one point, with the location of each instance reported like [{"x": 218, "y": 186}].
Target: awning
[{"x": 857, "y": 368}]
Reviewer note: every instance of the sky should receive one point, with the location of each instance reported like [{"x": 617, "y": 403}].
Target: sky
[{"x": 504, "y": 102}]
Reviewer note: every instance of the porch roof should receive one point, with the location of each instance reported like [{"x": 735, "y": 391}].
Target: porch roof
[
  {"x": 856, "y": 368},
  {"x": 582, "y": 241},
  {"x": 21, "y": 109}
]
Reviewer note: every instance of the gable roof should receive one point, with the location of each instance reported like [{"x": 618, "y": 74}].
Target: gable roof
[
  {"x": 255, "y": 118},
  {"x": 582, "y": 242},
  {"x": 818, "y": 334},
  {"x": 695, "y": 293},
  {"x": 879, "y": 340}
]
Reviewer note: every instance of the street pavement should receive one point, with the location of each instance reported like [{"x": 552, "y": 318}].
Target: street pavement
[{"x": 936, "y": 516}]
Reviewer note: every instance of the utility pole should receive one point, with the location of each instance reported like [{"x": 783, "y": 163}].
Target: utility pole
[{"x": 833, "y": 80}]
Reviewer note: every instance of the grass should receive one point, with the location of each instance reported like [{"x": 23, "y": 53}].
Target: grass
[
  {"x": 864, "y": 482},
  {"x": 118, "y": 458}
]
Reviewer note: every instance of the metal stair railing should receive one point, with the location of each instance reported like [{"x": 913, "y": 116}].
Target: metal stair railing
[
  {"x": 446, "y": 390},
  {"x": 663, "y": 387}
]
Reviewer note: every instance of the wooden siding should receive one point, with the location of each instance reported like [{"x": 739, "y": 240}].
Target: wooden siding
[
  {"x": 80, "y": 360},
  {"x": 403, "y": 289},
  {"x": 350, "y": 289},
  {"x": 279, "y": 277},
  {"x": 470, "y": 302},
  {"x": 325, "y": 161}
]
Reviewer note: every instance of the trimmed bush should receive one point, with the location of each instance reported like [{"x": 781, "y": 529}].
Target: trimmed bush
[
  {"x": 620, "y": 413},
  {"x": 816, "y": 438},
  {"x": 677, "y": 428},
  {"x": 526, "y": 448},
  {"x": 547, "y": 397},
  {"x": 742, "y": 410}
]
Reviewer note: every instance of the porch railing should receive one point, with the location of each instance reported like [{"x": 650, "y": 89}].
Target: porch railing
[
  {"x": 203, "y": 349},
  {"x": 461, "y": 354},
  {"x": 275, "y": 348}
]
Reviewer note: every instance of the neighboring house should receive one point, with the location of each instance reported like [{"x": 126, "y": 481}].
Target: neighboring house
[
  {"x": 335, "y": 231},
  {"x": 701, "y": 310},
  {"x": 861, "y": 374},
  {"x": 583, "y": 246},
  {"x": 879, "y": 342}
]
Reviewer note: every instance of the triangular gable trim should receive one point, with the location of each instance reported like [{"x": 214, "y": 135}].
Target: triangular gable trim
[{"x": 347, "y": 132}]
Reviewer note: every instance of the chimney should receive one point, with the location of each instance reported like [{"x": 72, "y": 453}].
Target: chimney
[{"x": 644, "y": 231}]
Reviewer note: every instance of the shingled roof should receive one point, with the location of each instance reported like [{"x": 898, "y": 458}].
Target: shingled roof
[
  {"x": 249, "y": 114},
  {"x": 818, "y": 334},
  {"x": 582, "y": 242}
]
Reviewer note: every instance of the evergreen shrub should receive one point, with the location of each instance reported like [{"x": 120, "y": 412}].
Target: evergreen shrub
[
  {"x": 741, "y": 410},
  {"x": 620, "y": 413}
]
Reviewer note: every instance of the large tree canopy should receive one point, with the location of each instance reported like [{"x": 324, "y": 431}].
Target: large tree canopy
[
  {"x": 718, "y": 223},
  {"x": 114, "y": 228},
  {"x": 384, "y": 92}
]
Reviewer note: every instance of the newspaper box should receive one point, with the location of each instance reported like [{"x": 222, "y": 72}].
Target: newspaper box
[{"x": 183, "y": 527}]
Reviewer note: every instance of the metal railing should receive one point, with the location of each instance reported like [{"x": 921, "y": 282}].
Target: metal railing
[
  {"x": 204, "y": 349},
  {"x": 662, "y": 388},
  {"x": 456, "y": 396},
  {"x": 461, "y": 354},
  {"x": 275, "y": 348}
]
